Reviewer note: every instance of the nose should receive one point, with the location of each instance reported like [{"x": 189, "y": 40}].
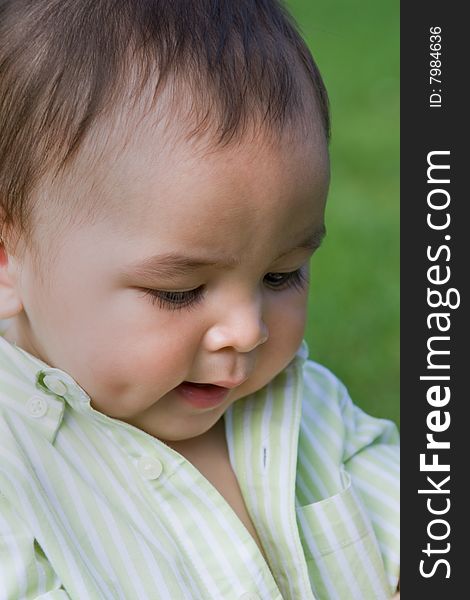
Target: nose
[{"x": 240, "y": 327}]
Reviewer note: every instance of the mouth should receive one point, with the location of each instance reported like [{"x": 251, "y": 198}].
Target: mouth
[{"x": 202, "y": 395}]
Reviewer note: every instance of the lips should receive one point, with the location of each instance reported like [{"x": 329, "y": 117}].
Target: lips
[
  {"x": 202, "y": 395},
  {"x": 230, "y": 384},
  {"x": 203, "y": 385},
  {"x": 226, "y": 383}
]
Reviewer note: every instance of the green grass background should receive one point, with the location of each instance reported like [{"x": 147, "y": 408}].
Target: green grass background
[{"x": 354, "y": 302}]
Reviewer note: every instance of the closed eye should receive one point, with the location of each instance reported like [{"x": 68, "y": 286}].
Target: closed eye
[{"x": 177, "y": 300}]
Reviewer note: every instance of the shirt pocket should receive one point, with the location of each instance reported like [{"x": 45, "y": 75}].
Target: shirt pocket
[{"x": 341, "y": 550}]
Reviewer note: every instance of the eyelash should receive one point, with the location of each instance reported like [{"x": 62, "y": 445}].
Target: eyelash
[{"x": 191, "y": 298}]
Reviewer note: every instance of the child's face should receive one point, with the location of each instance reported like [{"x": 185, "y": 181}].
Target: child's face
[{"x": 246, "y": 210}]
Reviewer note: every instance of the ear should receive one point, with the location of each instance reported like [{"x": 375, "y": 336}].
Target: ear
[{"x": 10, "y": 300}]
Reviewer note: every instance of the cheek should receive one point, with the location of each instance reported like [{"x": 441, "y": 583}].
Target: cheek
[
  {"x": 147, "y": 358},
  {"x": 127, "y": 377},
  {"x": 286, "y": 323},
  {"x": 288, "y": 314},
  {"x": 286, "y": 332}
]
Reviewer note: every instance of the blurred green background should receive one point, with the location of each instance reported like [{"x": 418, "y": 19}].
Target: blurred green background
[{"x": 354, "y": 302}]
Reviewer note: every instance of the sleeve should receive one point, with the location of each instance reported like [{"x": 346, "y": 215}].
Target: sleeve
[
  {"x": 25, "y": 573},
  {"x": 371, "y": 456}
]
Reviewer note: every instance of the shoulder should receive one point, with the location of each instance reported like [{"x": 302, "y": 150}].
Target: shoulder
[
  {"x": 326, "y": 404},
  {"x": 320, "y": 384}
]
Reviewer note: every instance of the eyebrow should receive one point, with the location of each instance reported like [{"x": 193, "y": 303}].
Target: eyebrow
[{"x": 174, "y": 265}]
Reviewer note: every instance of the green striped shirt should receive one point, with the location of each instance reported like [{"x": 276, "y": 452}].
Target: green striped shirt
[{"x": 92, "y": 507}]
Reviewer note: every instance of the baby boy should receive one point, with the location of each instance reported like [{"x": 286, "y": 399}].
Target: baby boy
[{"x": 163, "y": 177}]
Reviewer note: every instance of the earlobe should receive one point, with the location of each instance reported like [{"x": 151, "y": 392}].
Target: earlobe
[{"x": 10, "y": 300}]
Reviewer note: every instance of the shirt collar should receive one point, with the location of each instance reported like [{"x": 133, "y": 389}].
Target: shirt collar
[{"x": 36, "y": 390}]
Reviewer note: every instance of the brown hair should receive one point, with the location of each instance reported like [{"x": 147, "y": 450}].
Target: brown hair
[{"x": 63, "y": 63}]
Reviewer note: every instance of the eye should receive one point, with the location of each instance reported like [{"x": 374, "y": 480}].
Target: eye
[
  {"x": 175, "y": 300},
  {"x": 292, "y": 279}
]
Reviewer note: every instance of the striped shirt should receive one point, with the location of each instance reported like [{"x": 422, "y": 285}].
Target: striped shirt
[{"x": 94, "y": 508}]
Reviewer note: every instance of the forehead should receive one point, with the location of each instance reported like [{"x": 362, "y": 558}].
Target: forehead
[
  {"x": 147, "y": 183},
  {"x": 254, "y": 186}
]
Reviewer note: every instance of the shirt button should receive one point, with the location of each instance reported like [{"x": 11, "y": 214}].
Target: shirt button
[
  {"x": 36, "y": 407},
  {"x": 149, "y": 467},
  {"x": 249, "y": 596},
  {"x": 55, "y": 385}
]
